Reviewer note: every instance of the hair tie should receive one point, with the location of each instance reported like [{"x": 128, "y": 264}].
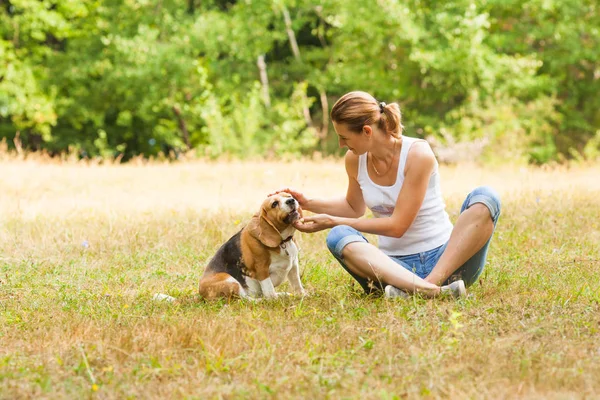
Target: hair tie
[{"x": 382, "y": 106}]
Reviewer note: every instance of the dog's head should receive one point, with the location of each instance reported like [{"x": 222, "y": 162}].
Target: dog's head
[{"x": 277, "y": 213}]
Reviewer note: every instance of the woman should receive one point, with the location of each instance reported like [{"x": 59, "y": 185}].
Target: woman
[{"x": 397, "y": 178}]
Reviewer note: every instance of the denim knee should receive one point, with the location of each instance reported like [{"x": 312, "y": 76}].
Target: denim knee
[
  {"x": 340, "y": 236},
  {"x": 488, "y": 197}
]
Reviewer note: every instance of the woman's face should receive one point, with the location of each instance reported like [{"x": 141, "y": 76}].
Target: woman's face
[{"x": 358, "y": 143}]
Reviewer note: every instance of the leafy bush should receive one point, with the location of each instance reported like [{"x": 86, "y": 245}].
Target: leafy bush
[{"x": 112, "y": 78}]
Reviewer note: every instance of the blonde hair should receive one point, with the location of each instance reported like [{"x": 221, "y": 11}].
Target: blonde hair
[{"x": 357, "y": 109}]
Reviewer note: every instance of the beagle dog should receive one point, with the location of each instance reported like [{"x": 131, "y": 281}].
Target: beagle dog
[{"x": 257, "y": 259}]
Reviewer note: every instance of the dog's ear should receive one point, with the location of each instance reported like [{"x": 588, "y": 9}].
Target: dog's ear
[{"x": 260, "y": 228}]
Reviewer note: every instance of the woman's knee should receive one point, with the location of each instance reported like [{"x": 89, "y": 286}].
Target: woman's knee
[
  {"x": 487, "y": 196},
  {"x": 340, "y": 236},
  {"x": 334, "y": 236}
]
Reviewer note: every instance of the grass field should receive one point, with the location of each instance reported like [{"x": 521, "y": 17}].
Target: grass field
[{"x": 84, "y": 248}]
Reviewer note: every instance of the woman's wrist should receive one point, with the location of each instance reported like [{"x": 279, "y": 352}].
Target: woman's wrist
[
  {"x": 307, "y": 205},
  {"x": 335, "y": 221}
]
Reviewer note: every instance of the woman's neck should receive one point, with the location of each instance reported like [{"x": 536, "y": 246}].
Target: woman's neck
[{"x": 386, "y": 149}]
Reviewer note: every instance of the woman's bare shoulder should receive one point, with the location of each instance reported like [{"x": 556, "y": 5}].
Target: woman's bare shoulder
[
  {"x": 351, "y": 161},
  {"x": 420, "y": 156}
]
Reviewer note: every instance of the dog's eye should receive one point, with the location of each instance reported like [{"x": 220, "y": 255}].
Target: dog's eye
[{"x": 275, "y": 204}]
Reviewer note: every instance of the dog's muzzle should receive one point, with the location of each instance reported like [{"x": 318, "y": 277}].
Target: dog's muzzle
[{"x": 293, "y": 215}]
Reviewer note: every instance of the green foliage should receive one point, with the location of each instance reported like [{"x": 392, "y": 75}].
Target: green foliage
[{"x": 110, "y": 77}]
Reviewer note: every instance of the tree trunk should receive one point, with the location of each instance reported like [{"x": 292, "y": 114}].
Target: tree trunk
[
  {"x": 296, "y": 51},
  {"x": 325, "y": 110},
  {"x": 290, "y": 33},
  {"x": 264, "y": 79},
  {"x": 182, "y": 127}
]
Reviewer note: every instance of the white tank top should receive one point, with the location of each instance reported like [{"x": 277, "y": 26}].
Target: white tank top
[{"x": 430, "y": 229}]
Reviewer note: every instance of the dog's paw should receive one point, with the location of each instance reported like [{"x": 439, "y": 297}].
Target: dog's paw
[
  {"x": 305, "y": 293},
  {"x": 278, "y": 295},
  {"x": 300, "y": 293},
  {"x": 252, "y": 299}
]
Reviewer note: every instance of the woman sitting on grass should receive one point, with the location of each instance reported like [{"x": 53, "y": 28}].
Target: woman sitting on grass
[{"x": 397, "y": 178}]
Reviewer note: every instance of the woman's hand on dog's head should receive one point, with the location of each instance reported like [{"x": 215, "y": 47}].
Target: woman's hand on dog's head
[{"x": 300, "y": 198}]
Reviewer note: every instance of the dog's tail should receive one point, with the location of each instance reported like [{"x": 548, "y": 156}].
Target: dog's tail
[{"x": 220, "y": 285}]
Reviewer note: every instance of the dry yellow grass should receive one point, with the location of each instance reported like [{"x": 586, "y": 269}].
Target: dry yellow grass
[
  {"x": 84, "y": 248},
  {"x": 32, "y": 188}
]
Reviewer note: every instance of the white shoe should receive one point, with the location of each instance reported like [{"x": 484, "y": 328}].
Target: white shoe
[
  {"x": 456, "y": 289},
  {"x": 392, "y": 292}
]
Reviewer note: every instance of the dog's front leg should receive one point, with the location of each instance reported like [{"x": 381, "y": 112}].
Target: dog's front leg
[
  {"x": 254, "y": 289},
  {"x": 294, "y": 278},
  {"x": 263, "y": 276},
  {"x": 268, "y": 290}
]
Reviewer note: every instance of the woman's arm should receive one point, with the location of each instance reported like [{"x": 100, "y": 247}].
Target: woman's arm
[
  {"x": 351, "y": 206},
  {"x": 420, "y": 165}
]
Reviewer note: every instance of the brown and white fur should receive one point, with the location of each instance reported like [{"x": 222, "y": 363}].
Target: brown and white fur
[{"x": 257, "y": 259}]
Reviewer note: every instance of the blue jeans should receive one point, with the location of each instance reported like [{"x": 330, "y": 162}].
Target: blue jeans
[{"x": 421, "y": 264}]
